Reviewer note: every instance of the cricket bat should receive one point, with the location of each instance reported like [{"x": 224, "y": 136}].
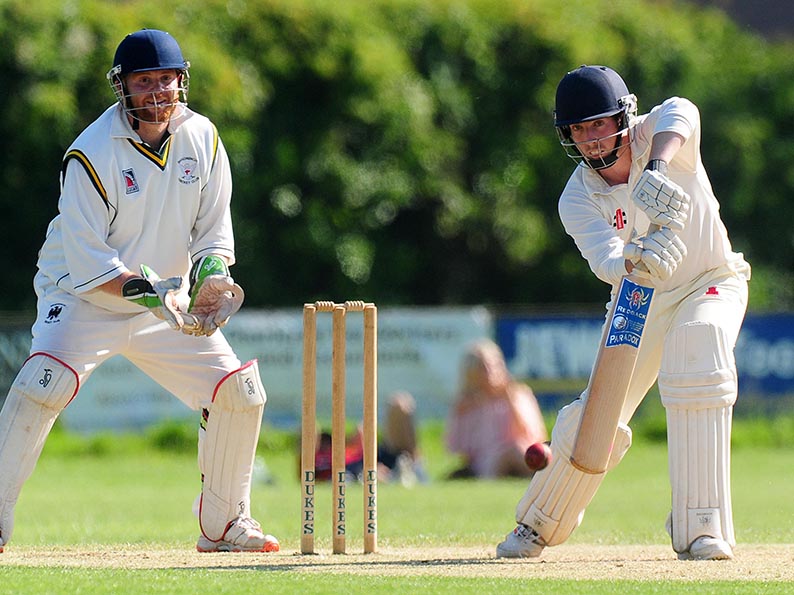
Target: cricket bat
[{"x": 612, "y": 373}]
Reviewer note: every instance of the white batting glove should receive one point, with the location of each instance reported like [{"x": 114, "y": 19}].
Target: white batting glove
[
  {"x": 657, "y": 255},
  {"x": 214, "y": 296},
  {"x": 663, "y": 201}
]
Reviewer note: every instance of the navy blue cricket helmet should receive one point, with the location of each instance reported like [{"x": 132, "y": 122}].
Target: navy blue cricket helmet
[
  {"x": 588, "y": 93},
  {"x": 147, "y": 49}
]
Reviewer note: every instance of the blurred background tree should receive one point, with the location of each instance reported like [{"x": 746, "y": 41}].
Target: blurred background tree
[{"x": 402, "y": 150}]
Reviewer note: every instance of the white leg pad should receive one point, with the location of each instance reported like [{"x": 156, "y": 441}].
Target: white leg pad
[
  {"x": 557, "y": 496},
  {"x": 698, "y": 386},
  {"x": 42, "y": 388},
  {"x": 227, "y": 450}
]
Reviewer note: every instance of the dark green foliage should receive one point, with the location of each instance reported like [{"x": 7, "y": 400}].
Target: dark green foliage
[
  {"x": 174, "y": 436},
  {"x": 402, "y": 150}
]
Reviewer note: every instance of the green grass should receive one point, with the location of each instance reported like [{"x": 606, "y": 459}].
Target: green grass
[
  {"x": 234, "y": 582},
  {"x": 132, "y": 491}
]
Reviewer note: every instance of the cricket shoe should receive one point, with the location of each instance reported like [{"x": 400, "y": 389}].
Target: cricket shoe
[
  {"x": 243, "y": 534},
  {"x": 704, "y": 547},
  {"x": 708, "y": 548},
  {"x": 523, "y": 542}
]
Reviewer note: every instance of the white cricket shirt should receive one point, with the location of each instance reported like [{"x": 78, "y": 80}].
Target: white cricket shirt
[
  {"x": 602, "y": 218},
  {"x": 124, "y": 204}
]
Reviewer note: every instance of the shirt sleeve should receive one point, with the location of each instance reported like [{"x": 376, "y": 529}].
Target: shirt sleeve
[
  {"x": 681, "y": 116},
  {"x": 212, "y": 231},
  {"x": 86, "y": 213},
  {"x": 595, "y": 238}
]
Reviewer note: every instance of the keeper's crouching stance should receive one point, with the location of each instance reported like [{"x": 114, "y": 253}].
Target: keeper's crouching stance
[
  {"x": 640, "y": 202},
  {"x": 145, "y": 191}
]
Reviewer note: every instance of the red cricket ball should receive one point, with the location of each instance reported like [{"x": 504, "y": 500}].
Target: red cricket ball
[{"x": 538, "y": 456}]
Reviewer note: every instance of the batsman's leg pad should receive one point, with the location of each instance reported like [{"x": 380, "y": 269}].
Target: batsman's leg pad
[
  {"x": 557, "y": 496},
  {"x": 698, "y": 386},
  {"x": 227, "y": 450},
  {"x": 42, "y": 388}
]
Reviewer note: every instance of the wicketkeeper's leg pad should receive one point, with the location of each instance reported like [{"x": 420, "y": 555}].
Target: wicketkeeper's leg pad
[
  {"x": 227, "y": 449},
  {"x": 42, "y": 388},
  {"x": 557, "y": 496},
  {"x": 698, "y": 386}
]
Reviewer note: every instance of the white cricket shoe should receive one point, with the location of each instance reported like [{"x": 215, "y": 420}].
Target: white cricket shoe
[
  {"x": 242, "y": 535},
  {"x": 523, "y": 542},
  {"x": 708, "y": 548},
  {"x": 704, "y": 547}
]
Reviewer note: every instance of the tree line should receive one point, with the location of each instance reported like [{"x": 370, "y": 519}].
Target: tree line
[{"x": 402, "y": 151}]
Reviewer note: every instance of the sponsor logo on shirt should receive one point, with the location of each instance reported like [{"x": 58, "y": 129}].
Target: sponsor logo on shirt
[
  {"x": 130, "y": 183},
  {"x": 619, "y": 221},
  {"x": 188, "y": 166}
]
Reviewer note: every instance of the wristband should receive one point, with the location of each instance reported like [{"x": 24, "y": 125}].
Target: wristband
[
  {"x": 141, "y": 292},
  {"x": 659, "y": 165}
]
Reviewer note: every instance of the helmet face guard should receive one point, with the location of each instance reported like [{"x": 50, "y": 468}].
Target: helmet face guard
[
  {"x": 147, "y": 50},
  {"x": 573, "y": 150},
  {"x": 590, "y": 93}
]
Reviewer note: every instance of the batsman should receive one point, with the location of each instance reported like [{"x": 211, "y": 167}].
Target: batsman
[
  {"x": 145, "y": 192},
  {"x": 640, "y": 202}
]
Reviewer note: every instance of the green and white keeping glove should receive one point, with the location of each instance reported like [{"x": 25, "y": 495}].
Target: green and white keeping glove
[
  {"x": 214, "y": 296},
  {"x": 158, "y": 295}
]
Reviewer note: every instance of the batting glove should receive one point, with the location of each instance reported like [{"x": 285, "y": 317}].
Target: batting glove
[
  {"x": 657, "y": 255},
  {"x": 663, "y": 201}
]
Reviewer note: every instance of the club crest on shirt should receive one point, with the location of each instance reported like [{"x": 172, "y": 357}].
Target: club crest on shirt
[
  {"x": 188, "y": 167},
  {"x": 130, "y": 183}
]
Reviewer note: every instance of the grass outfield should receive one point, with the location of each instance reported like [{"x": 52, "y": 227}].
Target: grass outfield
[{"x": 112, "y": 515}]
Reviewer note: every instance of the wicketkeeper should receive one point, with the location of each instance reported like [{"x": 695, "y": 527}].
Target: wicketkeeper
[
  {"x": 634, "y": 171},
  {"x": 136, "y": 263}
]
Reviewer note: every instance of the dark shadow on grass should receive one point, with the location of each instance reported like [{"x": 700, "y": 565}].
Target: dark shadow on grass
[{"x": 339, "y": 562}]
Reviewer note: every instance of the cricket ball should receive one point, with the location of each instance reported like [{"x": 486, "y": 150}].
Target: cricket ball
[{"x": 538, "y": 456}]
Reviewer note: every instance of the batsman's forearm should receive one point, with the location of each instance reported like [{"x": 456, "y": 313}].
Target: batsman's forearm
[{"x": 665, "y": 145}]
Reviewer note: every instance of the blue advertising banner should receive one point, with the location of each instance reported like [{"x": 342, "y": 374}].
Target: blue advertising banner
[
  {"x": 555, "y": 353},
  {"x": 765, "y": 355}
]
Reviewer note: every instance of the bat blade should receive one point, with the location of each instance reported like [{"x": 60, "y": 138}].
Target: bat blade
[{"x": 611, "y": 376}]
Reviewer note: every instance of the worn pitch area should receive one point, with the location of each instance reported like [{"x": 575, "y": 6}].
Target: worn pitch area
[{"x": 763, "y": 562}]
